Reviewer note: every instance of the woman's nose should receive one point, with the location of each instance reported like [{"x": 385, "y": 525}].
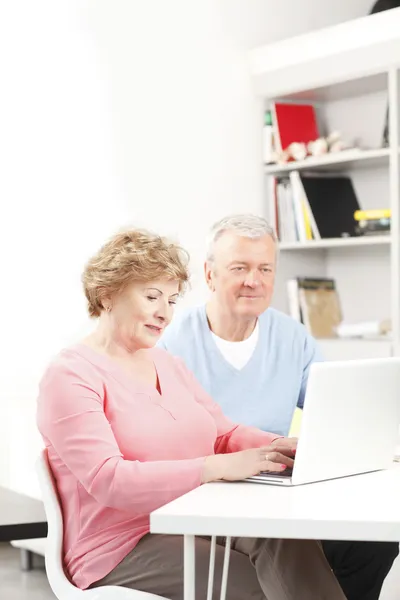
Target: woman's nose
[{"x": 161, "y": 314}]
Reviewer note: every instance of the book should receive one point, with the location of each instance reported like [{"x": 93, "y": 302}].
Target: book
[
  {"x": 289, "y": 210},
  {"x": 333, "y": 202},
  {"x": 320, "y": 306},
  {"x": 305, "y": 215},
  {"x": 273, "y": 205},
  {"x": 313, "y": 207},
  {"x": 293, "y": 123}
]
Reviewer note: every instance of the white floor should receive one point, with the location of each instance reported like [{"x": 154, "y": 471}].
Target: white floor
[{"x": 17, "y": 585}]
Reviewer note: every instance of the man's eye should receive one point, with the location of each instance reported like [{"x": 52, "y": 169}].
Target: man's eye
[{"x": 238, "y": 268}]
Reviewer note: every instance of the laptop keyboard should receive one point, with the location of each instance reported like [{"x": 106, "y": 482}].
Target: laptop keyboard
[{"x": 286, "y": 473}]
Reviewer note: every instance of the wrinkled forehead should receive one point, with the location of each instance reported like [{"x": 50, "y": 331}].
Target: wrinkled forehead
[{"x": 231, "y": 247}]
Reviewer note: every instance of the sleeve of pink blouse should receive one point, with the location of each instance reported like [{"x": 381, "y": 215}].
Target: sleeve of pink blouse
[
  {"x": 72, "y": 419},
  {"x": 231, "y": 437}
]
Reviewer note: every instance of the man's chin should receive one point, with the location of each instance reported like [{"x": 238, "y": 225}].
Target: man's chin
[{"x": 251, "y": 312}]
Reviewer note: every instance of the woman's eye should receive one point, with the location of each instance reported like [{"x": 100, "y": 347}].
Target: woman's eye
[
  {"x": 151, "y": 298},
  {"x": 172, "y": 302}
]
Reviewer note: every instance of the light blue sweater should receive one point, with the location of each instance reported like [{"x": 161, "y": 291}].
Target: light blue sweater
[{"x": 265, "y": 392}]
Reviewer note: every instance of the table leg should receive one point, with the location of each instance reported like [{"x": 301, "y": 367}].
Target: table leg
[
  {"x": 225, "y": 569},
  {"x": 211, "y": 568},
  {"x": 26, "y": 557},
  {"x": 189, "y": 567}
]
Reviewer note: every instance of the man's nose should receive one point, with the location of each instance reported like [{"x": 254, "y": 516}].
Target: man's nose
[{"x": 252, "y": 279}]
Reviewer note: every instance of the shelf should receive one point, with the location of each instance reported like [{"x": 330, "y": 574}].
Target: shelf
[
  {"x": 356, "y": 349},
  {"x": 314, "y": 63},
  {"x": 371, "y": 84},
  {"x": 378, "y": 339},
  {"x": 347, "y": 159},
  {"x": 370, "y": 240}
]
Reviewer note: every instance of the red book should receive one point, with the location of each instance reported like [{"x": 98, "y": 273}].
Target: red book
[{"x": 294, "y": 123}]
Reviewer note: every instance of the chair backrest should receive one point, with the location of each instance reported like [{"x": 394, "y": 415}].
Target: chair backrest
[
  {"x": 59, "y": 582},
  {"x": 62, "y": 588}
]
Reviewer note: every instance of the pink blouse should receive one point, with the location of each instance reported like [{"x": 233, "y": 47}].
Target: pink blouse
[{"x": 119, "y": 449}]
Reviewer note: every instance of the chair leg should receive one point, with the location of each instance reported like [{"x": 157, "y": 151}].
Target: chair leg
[{"x": 26, "y": 557}]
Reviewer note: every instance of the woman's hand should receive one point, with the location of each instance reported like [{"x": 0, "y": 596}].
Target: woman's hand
[
  {"x": 287, "y": 446},
  {"x": 240, "y": 465}
]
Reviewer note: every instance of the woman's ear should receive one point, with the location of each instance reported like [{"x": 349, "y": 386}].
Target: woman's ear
[{"x": 105, "y": 300}]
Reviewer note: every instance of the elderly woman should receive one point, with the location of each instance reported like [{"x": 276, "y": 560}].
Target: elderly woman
[{"x": 128, "y": 429}]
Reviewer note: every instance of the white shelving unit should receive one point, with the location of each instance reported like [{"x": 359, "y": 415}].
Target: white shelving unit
[
  {"x": 348, "y": 159},
  {"x": 351, "y": 72},
  {"x": 373, "y": 240}
]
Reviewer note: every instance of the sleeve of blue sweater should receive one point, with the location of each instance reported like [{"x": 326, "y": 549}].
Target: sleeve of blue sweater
[{"x": 312, "y": 354}]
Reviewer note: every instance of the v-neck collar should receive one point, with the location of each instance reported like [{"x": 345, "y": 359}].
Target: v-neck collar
[
  {"x": 213, "y": 347},
  {"x": 119, "y": 373}
]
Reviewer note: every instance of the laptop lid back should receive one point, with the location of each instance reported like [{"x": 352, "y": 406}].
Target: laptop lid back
[{"x": 351, "y": 419}]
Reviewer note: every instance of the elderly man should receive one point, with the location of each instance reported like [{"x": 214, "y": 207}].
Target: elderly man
[{"x": 254, "y": 361}]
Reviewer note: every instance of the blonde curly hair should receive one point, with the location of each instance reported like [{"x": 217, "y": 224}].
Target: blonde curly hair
[{"x": 134, "y": 255}]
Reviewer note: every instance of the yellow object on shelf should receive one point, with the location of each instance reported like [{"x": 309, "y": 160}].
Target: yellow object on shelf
[
  {"x": 368, "y": 215},
  {"x": 307, "y": 223}
]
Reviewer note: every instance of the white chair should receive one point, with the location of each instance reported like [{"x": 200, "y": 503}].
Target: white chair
[{"x": 59, "y": 583}]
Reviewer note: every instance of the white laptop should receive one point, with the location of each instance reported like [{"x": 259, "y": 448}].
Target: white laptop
[{"x": 350, "y": 421}]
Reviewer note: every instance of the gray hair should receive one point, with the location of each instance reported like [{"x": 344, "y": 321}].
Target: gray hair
[{"x": 245, "y": 225}]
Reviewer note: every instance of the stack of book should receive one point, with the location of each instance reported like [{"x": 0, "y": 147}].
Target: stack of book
[
  {"x": 373, "y": 222},
  {"x": 311, "y": 207},
  {"x": 315, "y": 302}
]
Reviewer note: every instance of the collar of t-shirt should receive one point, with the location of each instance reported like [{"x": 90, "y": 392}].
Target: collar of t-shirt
[{"x": 238, "y": 354}]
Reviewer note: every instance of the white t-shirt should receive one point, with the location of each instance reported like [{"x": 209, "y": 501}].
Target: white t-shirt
[{"x": 238, "y": 354}]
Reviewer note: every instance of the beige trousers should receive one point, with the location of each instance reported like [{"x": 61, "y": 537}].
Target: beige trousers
[{"x": 259, "y": 569}]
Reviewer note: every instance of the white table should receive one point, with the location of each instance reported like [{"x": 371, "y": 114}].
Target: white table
[{"x": 363, "y": 508}]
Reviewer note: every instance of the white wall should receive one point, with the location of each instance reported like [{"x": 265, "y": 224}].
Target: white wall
[
  {"x": 112, "y": 112},
  {"x": 60, "y": 195},
  {"x": 257, "y": 22}
]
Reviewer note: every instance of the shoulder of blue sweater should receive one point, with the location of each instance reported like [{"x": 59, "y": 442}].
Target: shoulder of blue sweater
[
  {"x": 280, "y": 319},
  {"x": 184, "y": 323},
  {"x": 190, "y": 313}
]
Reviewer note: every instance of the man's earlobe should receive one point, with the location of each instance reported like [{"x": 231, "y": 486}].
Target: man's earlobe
[
  {"x": 209, "y": 281},
  {"x": 208, "y": 276},
  {"x": 207, "y": 273}
]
